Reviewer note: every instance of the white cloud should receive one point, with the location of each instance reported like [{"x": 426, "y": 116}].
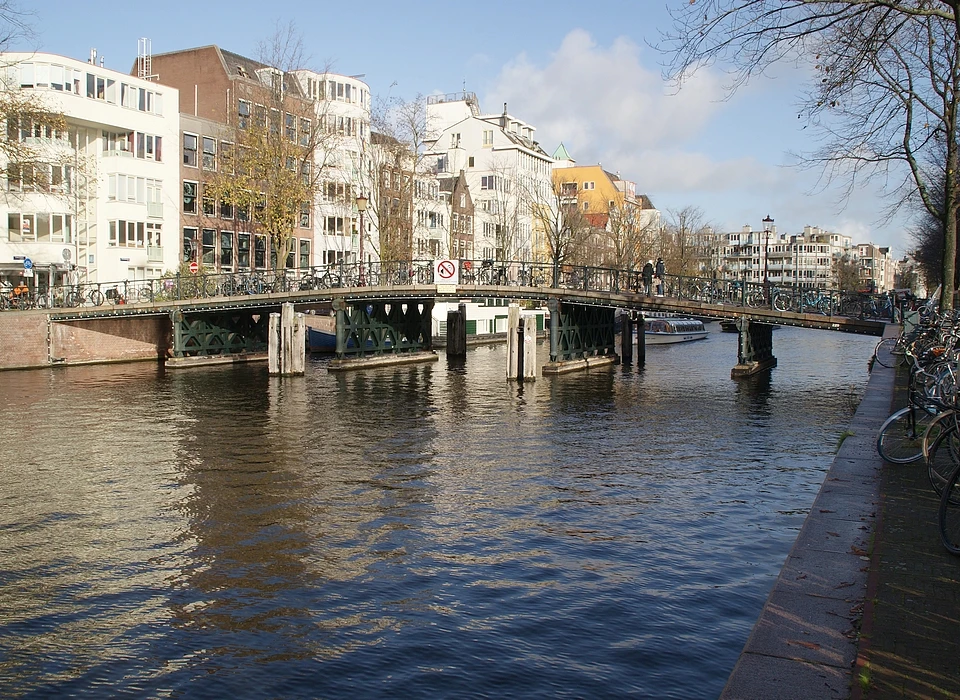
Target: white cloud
[
  {"x": 686, "y": 148},
  {"x": 589, "y": 96}
]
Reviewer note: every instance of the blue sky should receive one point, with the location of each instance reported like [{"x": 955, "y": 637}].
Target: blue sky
[{"x": 580, "y": 72}]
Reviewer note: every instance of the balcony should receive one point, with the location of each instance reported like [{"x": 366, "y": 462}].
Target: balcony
[
  {"x": 155, "y": 210},
  {"x": 154, "y": 253},
  {"x": 117, "y": 152}
]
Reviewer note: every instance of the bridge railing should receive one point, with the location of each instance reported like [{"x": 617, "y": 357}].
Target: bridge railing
[{"x": 472, "y": 272}]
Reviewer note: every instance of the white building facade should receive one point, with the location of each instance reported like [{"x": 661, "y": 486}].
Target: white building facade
[
  {"x": 107, "y": 208},
  {"x": 343, "y": 108},
  {"x": 806, "y": 259},
  {"x": 504, "y": 167}
]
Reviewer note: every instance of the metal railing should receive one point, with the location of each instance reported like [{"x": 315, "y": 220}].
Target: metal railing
[{"x": 470, "y": 273}]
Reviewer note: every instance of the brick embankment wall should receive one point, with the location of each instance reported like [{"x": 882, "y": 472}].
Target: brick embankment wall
[
  {"x": 31, "y": 340},
  {"x": 23, "y": 340}
]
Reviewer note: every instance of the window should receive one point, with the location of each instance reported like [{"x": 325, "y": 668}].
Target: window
[
  {"x": 470, "y": 162},
  {"x": 243, "y": 114},
  {"x": 209, "y": 153},
  {"x": 488, "y": 138},
  {"x": 304, "y": 252},
  {"x": 243, "y": 250},
  {"x": 190, "y": 150},
  {"x": 304, "y": 132},
  {"x": 189, "y": 244},
  {"x": 189, "y": 197},
  {"x": 290, "y": 126},
  {"x": 259, "y": 251},
  {"x": 208, "y": 243},
  {"x": 589, "y": 185},
  {"x": 226, "y": 250},
  {"x": 305, "y": 215},
  {"x": 209, "y": 204},
  {"x": 454, "y": 140}
]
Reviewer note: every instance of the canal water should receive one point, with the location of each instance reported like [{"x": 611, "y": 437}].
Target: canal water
[{"x": 420, "y": 532}]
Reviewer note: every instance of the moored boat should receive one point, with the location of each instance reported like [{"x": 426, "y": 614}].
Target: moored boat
[{"x": 660, "y": 331}]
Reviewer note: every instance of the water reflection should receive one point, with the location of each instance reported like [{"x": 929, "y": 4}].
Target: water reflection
[{"x": 426, "y": 530}]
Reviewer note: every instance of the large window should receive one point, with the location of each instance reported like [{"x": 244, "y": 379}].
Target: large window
[
  {"x": 243, "y": 114},
  {"x": 42, "y": 227},
  {"x": 127, "y": 234}
]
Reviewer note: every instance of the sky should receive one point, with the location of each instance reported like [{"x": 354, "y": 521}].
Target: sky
[{"x": 582, "y": 73}]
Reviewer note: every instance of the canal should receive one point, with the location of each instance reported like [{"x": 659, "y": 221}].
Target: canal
[{"x": 421, "y": 531}]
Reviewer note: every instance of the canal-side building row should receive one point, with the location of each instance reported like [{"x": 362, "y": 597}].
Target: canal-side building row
[{"x": 127, "y": 190}]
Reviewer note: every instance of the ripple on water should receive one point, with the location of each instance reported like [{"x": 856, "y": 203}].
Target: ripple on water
[{"x": 423, "y": 531}]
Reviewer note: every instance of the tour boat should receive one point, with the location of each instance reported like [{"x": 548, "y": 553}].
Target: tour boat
[{"x": 660, "y": 331}]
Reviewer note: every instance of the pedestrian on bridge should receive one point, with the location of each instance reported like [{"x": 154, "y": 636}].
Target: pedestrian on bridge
[
  {"x": 647, "y": 274},
  {"x": 660, "y": 271}
]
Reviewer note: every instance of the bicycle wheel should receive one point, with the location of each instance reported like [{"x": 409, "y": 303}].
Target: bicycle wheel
[
  {"x": 900, "y": 439},
  {"x": 948, "y": 515},
  {"x": 782, "y": 302},
  {"x": 883, "y": 353},
  {"x": 943, "y": 456},
  {"x": 96, "y": 297}
]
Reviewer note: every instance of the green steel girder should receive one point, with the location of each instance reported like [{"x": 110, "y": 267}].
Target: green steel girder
[
  {"x": 756, "y": 342},
  {"x": 383, "y": 327},
  {"x": 219, "y": 333},
  {"x": 582, "y": 331}
]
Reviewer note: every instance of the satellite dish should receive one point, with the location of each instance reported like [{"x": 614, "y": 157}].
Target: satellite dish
[{"x": 66, "y": 255}]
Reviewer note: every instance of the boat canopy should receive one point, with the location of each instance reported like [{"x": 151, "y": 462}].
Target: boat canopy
[{"x": 673, "y": 325}]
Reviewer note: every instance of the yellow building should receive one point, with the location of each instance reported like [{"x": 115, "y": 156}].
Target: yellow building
[{"x": 609, "y": 206}]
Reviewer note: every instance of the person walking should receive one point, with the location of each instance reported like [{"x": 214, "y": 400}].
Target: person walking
[
  {"x": 660, "y": 270},
  {"x": 647, "y": 274}
]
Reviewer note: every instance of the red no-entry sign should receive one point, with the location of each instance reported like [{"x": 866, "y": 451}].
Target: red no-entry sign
[{"x": 193, "y": 266}]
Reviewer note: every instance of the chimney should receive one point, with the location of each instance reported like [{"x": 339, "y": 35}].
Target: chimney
[{"x": 93, "y": 57}]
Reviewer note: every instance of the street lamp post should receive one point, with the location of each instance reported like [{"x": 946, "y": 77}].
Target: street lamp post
[
  {"x": 767, "y": 226},
  {"x": 361, "y": 207}
]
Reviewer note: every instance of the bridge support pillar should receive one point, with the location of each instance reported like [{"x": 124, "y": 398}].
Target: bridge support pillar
[
  {"x": 378, "y": 332},
  {"x": 457, "y": 332},
  {"x": 287, "y": 349},
  {"x": 581, "y": 337},
  {"x": 755, "y": 352}
]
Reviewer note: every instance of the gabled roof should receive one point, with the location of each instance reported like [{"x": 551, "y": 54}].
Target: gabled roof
[{"x": 561, "y": 154}]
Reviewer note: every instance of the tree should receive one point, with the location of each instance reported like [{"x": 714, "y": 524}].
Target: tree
[
  {"x": 688, "y": 243},
  {"x": 272, "y": 173},
  {"x": 846, "y": 273},
  {"x": 886, "y": 92},
  {"x": 557, "y": 212},
  {"x": 398, "y": 175},
  {"x": 631, "y": 232}
]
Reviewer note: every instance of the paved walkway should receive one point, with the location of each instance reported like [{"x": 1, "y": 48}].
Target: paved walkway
[
  {"x": 867, "y": 605},
  {"x": 910, "y": 636}
]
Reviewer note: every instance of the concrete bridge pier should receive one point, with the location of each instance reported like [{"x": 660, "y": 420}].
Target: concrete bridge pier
[{"x": 755, "y": 351}]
